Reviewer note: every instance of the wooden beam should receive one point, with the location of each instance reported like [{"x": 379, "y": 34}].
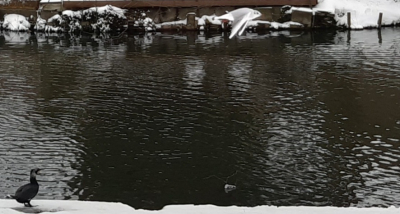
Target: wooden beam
[{"x": 186, "y": 3}]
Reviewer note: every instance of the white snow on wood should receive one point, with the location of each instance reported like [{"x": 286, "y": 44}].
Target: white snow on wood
[
  {"x": 302, "y": 9},
  {"x": 72, "y": 14},
  {"x": 108, "y": 9},
  {"x": 55, "y": 18}
]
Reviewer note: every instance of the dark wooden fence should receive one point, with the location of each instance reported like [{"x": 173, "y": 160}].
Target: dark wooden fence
[
  {"x": 187, "y": 3},
  {"x": 20, "y": 4},
  {"x": 33, "y": 4}
]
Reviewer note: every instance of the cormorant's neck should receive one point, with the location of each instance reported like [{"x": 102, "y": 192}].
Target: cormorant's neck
[{"x": 33, "y": 180}]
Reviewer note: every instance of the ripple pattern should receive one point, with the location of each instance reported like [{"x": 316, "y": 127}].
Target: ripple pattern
[{"x": 302, "y": 118}]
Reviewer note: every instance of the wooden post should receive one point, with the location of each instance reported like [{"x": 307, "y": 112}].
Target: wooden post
[
  {"x": 225, "y": 23},
  {"x": 349, "y": 20},
  {"x": 380, "y": 20},
  {"x": 191, "y": 21}
]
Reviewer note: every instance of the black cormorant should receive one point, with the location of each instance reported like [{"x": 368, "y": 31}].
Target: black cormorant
[{"x": 27, "y": 192}]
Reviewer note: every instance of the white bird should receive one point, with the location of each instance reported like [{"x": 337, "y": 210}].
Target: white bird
[{"x": 240, "y": 18}]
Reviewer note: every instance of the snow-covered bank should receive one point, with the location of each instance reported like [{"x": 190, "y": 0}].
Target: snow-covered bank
[
  {"x": 9, "y": 206},
  {"x": 211, "y": 209},
  {"x": 364, "y": 13},
  {"x": 88, "y": 207}
]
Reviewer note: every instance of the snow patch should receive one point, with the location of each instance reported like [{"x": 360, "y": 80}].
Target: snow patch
[
  {"x": 211, "y": 209},
  {"x": 364, "y": 13},
  {"x": 106, "y": 10},
  {"x": 64, "y": 207},
  {"x": 141, "y": 21},
  {"x": 15, "y": 22}
]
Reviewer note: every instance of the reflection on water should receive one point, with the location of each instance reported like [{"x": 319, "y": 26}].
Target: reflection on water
[
  {"x": 195, "y": 73},
  {"x": 239, "y": 74},
  {"x": 149, "y": 120}
]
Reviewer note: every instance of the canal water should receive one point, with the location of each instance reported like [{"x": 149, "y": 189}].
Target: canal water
[{"x": 289, "y": 118}]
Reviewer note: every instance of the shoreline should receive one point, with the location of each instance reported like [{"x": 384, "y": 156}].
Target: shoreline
[
  {"x": 8, "y": 206},
  {"x": 179, "y": 19}
]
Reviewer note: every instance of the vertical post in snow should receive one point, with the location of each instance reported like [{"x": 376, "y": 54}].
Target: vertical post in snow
[
  {"x": 349, "y": 20},
  {"x": 380, "y": 20},
  {"x": 191, "y": 23}
]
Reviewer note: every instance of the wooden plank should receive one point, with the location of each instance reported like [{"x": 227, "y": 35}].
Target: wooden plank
[
  {"x": 187, "y": 3},
  {"x": 29, "y": 5}
]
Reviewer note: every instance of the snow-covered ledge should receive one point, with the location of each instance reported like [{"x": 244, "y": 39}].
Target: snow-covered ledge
[
  {"x": 211, "y": 209},
  {"x": 89, "y": 207},
  {"x": 9, "y": 206}
]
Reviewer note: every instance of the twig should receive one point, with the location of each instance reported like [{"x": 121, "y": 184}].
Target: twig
[{"x": 226, "y": 180}]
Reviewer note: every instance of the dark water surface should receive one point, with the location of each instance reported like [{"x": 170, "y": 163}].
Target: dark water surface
[{"x": 289, "y": 118}]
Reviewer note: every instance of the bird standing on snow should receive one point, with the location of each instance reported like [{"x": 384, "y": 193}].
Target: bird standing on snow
[
  {"x": 240, "y": 19},
  {"x": 27, "y": 192}
]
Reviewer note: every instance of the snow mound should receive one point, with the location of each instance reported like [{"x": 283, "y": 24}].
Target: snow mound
[
  {"x": 106, "y": 10},
  {"x": 98, "y": 19},
  {"x": 15, "y": 22},
  {"x": 105, "y": 19},
  {"x": 364, "y": 13},
  {"x": 72, "y": 14}
]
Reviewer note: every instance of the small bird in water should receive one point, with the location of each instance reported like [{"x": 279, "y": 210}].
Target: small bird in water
[{"x": 27, "y": 192}]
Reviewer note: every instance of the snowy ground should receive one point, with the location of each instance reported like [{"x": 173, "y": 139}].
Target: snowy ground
[
  {"x": 9, "y": 206},
  {"x": 86, "y": 207},
  {"x": 364, "y": 13},
  {"x": 210, "y": 209}
]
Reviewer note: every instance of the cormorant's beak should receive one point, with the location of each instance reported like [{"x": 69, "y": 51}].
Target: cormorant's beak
[{"x": 37, "y": 171}]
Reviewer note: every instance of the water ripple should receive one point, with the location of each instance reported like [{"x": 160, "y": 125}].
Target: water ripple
[{"x": 306, "y": 118}]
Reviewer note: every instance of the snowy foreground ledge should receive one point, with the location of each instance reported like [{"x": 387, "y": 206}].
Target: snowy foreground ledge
[
  {"x": 87, "y": 207},
  {"x": 9, "y": 206},
  {"x": 210, "y": 209}
]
